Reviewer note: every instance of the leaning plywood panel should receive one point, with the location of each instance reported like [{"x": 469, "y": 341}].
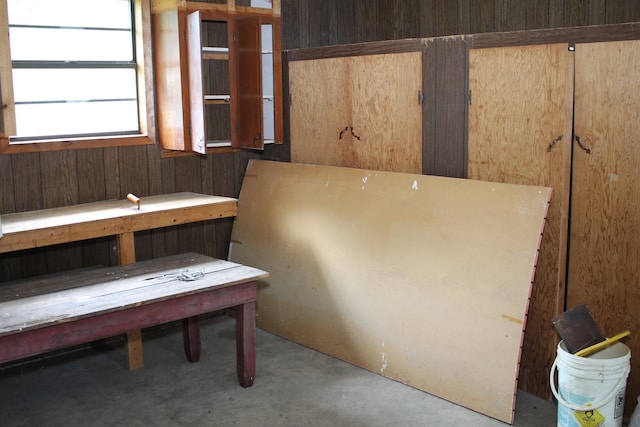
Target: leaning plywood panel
[{"x": 422, "y": 279}]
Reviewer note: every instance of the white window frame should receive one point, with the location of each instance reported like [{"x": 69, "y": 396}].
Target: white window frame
[{"x": 146, "y": 107}]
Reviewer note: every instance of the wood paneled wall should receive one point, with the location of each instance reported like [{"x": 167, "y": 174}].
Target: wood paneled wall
[
  {"x": 311, "y": 23},
  {"x": 318, "y": 23},
  {"x": 52, "y": 179},
  {"x": 315, "y": 23},
  {"x": 43, "y": 180}
]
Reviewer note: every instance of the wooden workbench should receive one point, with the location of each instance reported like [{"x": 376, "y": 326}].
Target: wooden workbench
[
  {"x": 120, "y": 218},
  {"x": 60, "y": 310}
]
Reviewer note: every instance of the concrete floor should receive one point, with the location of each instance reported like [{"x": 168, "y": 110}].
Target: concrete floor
[{"x": 295, "y": 386}]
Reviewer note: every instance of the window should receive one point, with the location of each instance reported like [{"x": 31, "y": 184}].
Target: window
[{"x": 76, "y": 74}]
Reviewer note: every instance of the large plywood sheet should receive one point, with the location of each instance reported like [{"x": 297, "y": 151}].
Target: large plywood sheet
[{"x": 422, "y": 279}]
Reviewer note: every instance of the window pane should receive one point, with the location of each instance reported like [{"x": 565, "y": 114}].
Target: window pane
[
  {"x": 268, "y": 105},
  {"x": 267, "y": 59},
  {"x": 269, "y": 119},
  {"x": 71, "y": 13},
  {"x": 263, "y": 4},
  {"x": 38, "y": 120},
  {"x": 31, "y": 85},
  {"x": 54, "y": 44},
  {"x": 67, "y": 98}
]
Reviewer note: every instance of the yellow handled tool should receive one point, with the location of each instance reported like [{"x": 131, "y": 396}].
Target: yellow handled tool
[{"x": 587, "y": 351}]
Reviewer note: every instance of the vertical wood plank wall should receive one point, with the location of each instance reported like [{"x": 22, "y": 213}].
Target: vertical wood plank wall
[
  {"x": 308, "y": 23},
  {"x": 52, "y": 179},
  {"x": 314, "y": 23},
  {"x": 311, "y": 23}
]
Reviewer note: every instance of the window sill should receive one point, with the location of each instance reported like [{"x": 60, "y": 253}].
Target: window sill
[
  {"x": 9, "y": 147},
  {"x": 215, "y": 148}
]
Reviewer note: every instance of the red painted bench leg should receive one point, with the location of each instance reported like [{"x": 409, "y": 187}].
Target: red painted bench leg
[
  {"x": 191, "y": 338},
  {"x": 246, "y": 343}
]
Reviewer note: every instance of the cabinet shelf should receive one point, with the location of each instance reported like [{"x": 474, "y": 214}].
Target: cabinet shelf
[
  {"x": 215, "y": 53},
  {"x": 217, "y": 99}
]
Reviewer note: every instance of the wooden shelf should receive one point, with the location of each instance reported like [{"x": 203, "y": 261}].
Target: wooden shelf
[
  {"x": 217, "y": 99},
  {"x": 215, "y": 53}
]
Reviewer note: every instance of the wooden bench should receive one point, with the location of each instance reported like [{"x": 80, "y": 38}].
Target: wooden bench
[
  {"x": 57, "y": 311},
  {"x": 55, "y": 226}
]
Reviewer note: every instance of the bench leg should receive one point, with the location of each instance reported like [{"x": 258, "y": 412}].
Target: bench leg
[
  {"x": 191, "y": 338},
  {"x": 246, "y": 343},
  {"x": 127, "y": 255},
  {"x": 134, "y": 350}
]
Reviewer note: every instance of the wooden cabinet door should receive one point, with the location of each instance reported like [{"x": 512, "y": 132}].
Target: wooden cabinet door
[
  {"x": 245, "y": 62},
  {"x": 604, "y": 260},
  {"x": 171, "y": 83},
  {"x": 196, "y": 76},
  {"x": 245, "y": 69},
  {"x": 362, "y": 112},
  {"x": 520, "y": 133}
]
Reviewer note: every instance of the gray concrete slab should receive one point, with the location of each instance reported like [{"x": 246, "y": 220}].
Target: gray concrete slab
[{"x": 294, "y": 386}]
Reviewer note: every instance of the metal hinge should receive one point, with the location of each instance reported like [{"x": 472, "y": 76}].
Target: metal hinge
[
  {"x": 467, "y": 96},
  {"x": 420, "y": 97}
]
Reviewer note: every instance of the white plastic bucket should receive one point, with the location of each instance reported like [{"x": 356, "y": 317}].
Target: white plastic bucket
[{"x": 591, "y": 389}]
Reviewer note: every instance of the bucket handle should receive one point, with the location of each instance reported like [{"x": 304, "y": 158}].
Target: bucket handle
[{"x": 590, "y": 406}]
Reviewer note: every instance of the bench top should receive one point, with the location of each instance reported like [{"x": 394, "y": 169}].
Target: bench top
[
  {"x": 26, "y": 230},
  {"x": 35, "y": 303}
]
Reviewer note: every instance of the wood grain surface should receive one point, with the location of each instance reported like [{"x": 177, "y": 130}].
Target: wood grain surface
[
  {"x": 99, "y": 219},
  {"x": 520, "y": 133},
  {"x": 605, "y": 222},
  {"x": 41, "y": 302},
  {"x": 422, "y": 279},
  {"x": 362, "y": 112}
]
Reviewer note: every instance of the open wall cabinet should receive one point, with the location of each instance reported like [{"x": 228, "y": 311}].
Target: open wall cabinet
[
  {"x": 566, "y": 116},
  {"x": 218, "y": 75}
]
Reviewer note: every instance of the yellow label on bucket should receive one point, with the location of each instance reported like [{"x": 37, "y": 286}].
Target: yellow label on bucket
[{"x": 591, "y": 418}]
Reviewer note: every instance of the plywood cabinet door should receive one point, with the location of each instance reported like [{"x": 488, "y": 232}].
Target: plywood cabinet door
[
  {"x": 604, "y": 260},
  {"x": 520, "y": 133},
  {"x": 361, "y": 112},
  {"x": 520, "y": 130}
]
